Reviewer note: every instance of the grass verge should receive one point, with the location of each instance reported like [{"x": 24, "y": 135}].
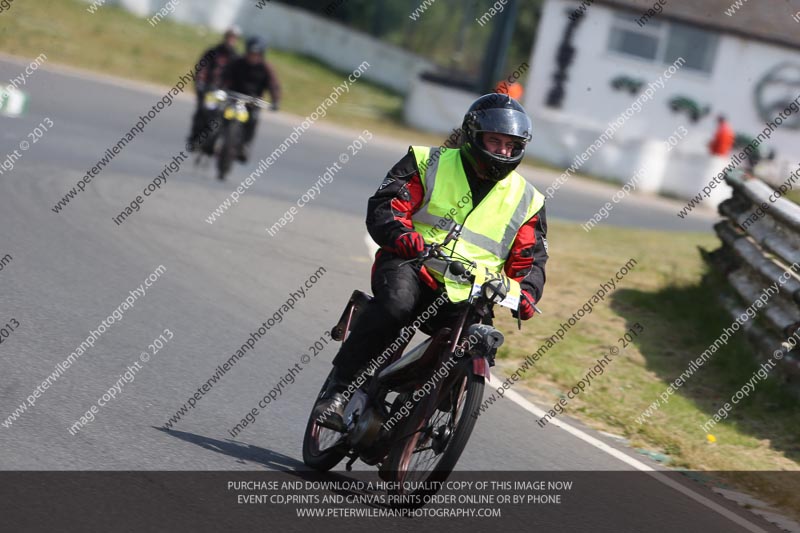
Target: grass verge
[
  {"x": 115, "y": 42},
  {"x": 670, "y": 295}
]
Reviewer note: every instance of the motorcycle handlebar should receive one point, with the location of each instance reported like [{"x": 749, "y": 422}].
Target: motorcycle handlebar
[
  {"x": 258, "y": 102},
  {"x": 434, "y": 251}
]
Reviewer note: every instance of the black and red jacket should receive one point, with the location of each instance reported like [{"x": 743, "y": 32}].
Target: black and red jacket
[
  {"x": 391, "y": 209},
  {"x": 252, "y": 79}
]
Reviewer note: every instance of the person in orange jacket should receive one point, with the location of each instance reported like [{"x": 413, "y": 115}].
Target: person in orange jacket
[
  {"x": 722, "y": 143},
  {"x": 513, "y": 89}
]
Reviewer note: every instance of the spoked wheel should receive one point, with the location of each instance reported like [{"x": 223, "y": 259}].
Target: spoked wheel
[
  {"x": 321, "y": 450},
  {"x": 431, "y": 447},
  {"x": 232, "y": 138}
]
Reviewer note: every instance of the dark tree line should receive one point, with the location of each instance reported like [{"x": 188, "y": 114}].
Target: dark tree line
[{"x": 447, "y": 32}]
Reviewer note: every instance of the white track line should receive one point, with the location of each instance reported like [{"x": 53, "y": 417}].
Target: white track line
[
  {"x": 625, "y": 458},
  {"x": 539, "y": 413}
]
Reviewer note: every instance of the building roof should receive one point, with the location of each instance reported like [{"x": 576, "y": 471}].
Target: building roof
[{"x": 772, "y": 23}]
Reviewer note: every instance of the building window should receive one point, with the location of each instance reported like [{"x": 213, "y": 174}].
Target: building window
[
  {"x": 628, "y": 38},
  {"x": 696, "y": 46},
  {"x": 663, "y": 42}
]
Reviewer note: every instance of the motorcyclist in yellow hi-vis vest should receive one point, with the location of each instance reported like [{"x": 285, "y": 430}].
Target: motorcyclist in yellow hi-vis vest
[{"x": 420, "y": 199}]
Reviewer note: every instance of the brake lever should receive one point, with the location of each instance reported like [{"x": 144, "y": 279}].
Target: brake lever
[
  {"x": 427, "y": 254},
  {"x": 530, "y": 301}
]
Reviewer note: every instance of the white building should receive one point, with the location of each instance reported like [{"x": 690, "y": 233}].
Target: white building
[
  {"x": 745, "y": 65},
  {"x": 739, "y": 60}
]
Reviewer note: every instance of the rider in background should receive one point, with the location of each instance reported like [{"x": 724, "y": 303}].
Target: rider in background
[
  {"x": 214, "y": 60},
  {"x": 252, "y": 75},
  {"x": 504, "y": 228}
]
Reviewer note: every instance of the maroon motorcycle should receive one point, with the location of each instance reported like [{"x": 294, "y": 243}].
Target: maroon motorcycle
[{"x": 413, "y": 413}]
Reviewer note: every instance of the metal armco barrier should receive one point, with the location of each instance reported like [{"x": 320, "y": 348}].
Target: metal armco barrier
[{"x": 760, "y": 243}]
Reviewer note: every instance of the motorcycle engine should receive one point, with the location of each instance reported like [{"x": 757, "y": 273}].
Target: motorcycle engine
[{"x": 363, "y": 422}]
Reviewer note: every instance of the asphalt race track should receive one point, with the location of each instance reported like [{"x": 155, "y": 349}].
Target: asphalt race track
[{"x": 219, "y": 282}]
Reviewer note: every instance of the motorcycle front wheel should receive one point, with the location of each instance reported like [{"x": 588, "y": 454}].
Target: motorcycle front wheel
[
  {"x": 231, "y": 139},
  {"x": 430, "y": 447}
]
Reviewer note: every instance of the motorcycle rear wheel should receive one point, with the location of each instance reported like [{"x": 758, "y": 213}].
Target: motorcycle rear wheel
[
  {"x": 320, "y": 450},
  {"x": 415, "y": 458}
]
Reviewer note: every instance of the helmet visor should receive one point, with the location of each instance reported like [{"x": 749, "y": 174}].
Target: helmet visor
[{"x": 505, "y": 121}]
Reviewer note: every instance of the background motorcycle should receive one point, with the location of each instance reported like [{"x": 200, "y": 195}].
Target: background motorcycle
[
  {"x": 229, "y": 109},
  {"x": 426, "y": 440}
]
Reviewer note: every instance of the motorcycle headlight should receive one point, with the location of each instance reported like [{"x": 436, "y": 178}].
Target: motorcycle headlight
[
  {"x": 494, "y": 291},
  {"x": 241, "y": 112},
  {"x": 214, "y": 98}
]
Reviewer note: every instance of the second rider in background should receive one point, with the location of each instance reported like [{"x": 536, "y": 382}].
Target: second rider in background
[{"x": 252, "y": 75}]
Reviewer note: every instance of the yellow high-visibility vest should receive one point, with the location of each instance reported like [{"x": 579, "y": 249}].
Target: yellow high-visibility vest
[{"x": 489, "y": 229}]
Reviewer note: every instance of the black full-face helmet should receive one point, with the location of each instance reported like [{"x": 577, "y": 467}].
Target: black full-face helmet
[
  {"x": 256, "y": 45},
  {"x": 494, "y": 113}
]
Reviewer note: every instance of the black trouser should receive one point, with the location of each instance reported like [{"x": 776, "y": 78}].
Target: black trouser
[{"x": 400, "y": 297}]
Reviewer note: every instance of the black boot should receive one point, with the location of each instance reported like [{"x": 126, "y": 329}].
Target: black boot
[{"x": 329, "y": 409}]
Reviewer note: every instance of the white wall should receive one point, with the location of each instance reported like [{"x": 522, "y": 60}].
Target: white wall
[
  {"x": 291, "y": 29},
  {"x": 590, "y": 102},
  {"x": 436, "y": 108}
]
